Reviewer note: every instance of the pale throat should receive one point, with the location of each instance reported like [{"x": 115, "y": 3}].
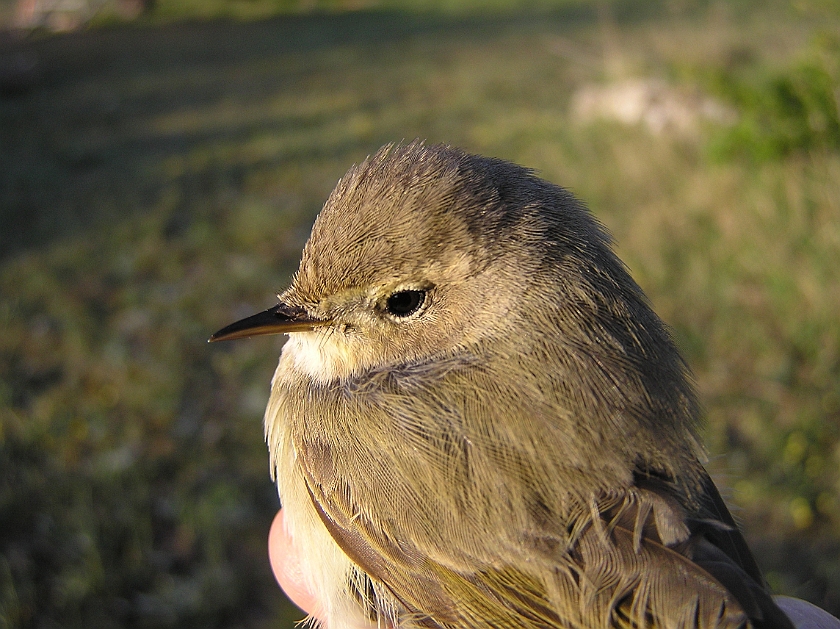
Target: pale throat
[{"x": 324, "y": 355}]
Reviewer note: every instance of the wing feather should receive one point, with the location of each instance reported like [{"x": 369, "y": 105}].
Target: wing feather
[{"x": 632, "y": 562}]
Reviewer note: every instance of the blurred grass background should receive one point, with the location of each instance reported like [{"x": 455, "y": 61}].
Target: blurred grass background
[{"x": 158, "y": 178}]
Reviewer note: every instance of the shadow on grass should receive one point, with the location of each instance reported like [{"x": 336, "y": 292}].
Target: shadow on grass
[{"x": 86, "y": 142}]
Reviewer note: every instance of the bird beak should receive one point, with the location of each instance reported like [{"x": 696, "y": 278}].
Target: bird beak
[{"x": 281, "y": 319}]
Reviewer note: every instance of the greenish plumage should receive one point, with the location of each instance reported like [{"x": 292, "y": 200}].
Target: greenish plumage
[{"x": 520, "y": 449}]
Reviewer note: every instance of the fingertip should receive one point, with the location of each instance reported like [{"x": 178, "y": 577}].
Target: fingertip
[{"x": 286, "y": 566}]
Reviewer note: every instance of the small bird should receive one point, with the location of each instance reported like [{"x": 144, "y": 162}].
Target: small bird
[{"x": 478, "y": 421}]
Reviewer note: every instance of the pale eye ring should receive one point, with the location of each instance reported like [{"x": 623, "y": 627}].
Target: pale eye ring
[{"x": 404, "y": 303}]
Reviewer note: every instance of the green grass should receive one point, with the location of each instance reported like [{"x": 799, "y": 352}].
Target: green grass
[{"x": 159, "y": 181}]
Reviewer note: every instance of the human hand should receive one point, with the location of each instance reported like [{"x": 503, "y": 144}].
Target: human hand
[{"x": 286, "y": 565}]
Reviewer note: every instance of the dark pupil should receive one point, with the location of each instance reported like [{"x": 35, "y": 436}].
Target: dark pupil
[{"x": 405, "y": 302}]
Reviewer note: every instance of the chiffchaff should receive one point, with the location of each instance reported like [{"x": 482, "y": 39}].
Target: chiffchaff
[{"x": 479, "y": 422}]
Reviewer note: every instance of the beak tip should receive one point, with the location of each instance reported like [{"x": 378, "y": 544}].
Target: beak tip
[{"x": 216, "y": 337}]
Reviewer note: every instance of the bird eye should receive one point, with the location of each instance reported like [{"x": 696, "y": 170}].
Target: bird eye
[{"x": 405, "y": 302}]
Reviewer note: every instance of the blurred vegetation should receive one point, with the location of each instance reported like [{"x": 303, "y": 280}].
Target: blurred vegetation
[
  {"x": 783, "y": 111},
  {"x": 157, "y": 181}
]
